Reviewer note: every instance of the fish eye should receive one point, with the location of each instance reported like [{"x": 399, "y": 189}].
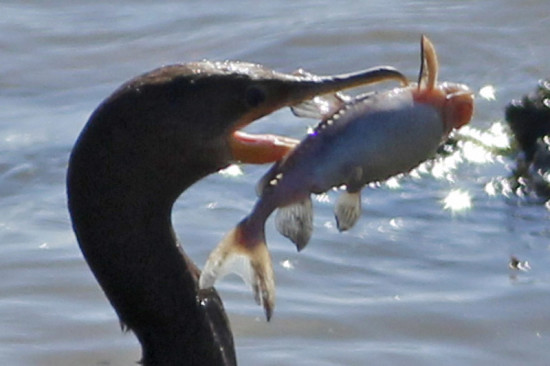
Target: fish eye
[{"x": 254, "y": 95}]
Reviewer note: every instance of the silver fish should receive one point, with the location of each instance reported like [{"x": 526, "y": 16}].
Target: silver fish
[{"x": 368, "y": 138}]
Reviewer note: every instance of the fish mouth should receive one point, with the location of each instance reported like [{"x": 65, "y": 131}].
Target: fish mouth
[{"x": 459, "y": 104}]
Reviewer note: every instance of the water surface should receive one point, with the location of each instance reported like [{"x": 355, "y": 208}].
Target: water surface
[{"x": 423, "y": 279}]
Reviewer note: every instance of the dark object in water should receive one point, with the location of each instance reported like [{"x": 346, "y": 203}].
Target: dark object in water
[
  {"x": 529, "y": 120},
  {"x": 518, "y": 265}
]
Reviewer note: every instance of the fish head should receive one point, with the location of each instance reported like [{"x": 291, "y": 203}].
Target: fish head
[
  {"x": 454, "y": 101},
  {"x": 458, "y": 106}
]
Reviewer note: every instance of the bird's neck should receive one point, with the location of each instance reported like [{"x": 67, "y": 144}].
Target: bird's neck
[{"x": 132, "y": 250}]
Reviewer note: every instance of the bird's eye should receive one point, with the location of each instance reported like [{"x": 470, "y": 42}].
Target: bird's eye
[{"x": 254, "y": 96}]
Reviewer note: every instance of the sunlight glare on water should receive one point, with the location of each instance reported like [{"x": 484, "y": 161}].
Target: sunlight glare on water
[
  {"x": 487, "y": 92},
  {"x": 457, "y": 201},
  {"x": 232, "y": 171}
]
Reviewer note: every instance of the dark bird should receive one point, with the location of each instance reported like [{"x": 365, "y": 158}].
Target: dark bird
[
  {"x": 142, "y": 147},
  {"x": 529, "y": 121},
  {"x": 529, "y": 118}
]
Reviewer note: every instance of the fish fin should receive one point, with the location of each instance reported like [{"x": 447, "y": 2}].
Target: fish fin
[
  {"x": 429, "y": 65},
  {"x": 247, "y": 257},
  {"x": 320, "y": 107},
  {"x": 295, "y": 222},
  {"x": 347, "y": 210}
]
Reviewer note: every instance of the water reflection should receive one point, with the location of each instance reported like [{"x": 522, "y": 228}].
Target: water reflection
[
  {"x": 232, "y": 171},
  {"x": 487, "y": 92},
  {"x": 457, "y": 200}
]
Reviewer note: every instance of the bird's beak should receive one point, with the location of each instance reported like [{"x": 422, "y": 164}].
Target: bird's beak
[{"x": 292, "y": 90}]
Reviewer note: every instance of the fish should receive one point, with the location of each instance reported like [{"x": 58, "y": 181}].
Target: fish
[{"x": 360, "y": 140}]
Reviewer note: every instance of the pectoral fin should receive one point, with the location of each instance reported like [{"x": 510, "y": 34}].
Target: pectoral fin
[
  {"x": 296, "y": 222},
  {"x": 347, "y": 210},
  {"x": 320, "y": 107},
  {"x": 247, "y": 257}
]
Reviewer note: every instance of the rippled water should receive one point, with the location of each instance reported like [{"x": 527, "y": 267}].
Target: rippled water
[{"x": 423, "y": 279}]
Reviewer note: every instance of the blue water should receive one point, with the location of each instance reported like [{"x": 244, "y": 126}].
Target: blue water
[{"x": 423, "y": 279}]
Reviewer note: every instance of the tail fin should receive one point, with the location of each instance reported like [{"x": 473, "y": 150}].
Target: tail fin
[{"x": 248, "y": 257}]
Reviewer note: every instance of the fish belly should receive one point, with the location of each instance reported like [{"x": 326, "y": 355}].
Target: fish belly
[{"x": 379, "y": 144}]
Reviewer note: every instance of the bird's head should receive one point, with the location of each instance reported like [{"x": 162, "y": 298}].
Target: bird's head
[{"x": 179, "y": 123}]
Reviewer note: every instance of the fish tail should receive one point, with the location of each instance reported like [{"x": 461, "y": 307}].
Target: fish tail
[
  {"x": 243, "y": 251},
  {"x": 347, "y": 210},
  {"x": 295, "y": 222}
]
